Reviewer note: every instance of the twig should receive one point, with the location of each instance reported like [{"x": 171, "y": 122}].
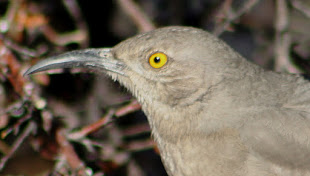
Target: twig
[
  {"x": 92, "y": 127},
  {"x": 29, "y": 129},
  {"x": 16, "y": 126},
  {"x": 5, "y": 22},
  {"x": 137, "y": 15},
  {"x": 282, "y": 38},
  {"x": 21, "y": 49},
  {"x": 67, "y": 150},
  {"x": 218, "y": 30},
  {"x": 133, "y": 106},
  {"x": 223, "y": 12},
  {"x": 80, "y": 35},
  {"x": 140, "y": 145},
  {"x": 64, "y": 39},
  {"x": 297, "y": 4},
  {"x": 134, "y": 169},
  {"x": 14, "y": 76},
  {"x": 75, "y": 12},
  {"x": 137, "y": 129}
]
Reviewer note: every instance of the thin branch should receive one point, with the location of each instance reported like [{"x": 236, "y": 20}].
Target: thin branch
[
  {"x": 137, "y": 15},
  {"x": 140, "y": 145},
  {"x": 297, "y": 4},
  {"x": 5, "y": 22},
  {"x": 15, "y": 128},
  {"x": 92, "y": 127},
  {"x": 75, "y": 12},
  {"x": 66, "y": 38},
  {"x": 29, "y": 129},
  {"x": 21, "y": 49},
  {"x": 137, "y": 129},
  {"x": 282, "y": 38},
  {"x": 134, "y": 169},
  {"x": 133, "y": 106},
  {"x": 231, "y": 17},
  {"x": 68, "y": 152}
]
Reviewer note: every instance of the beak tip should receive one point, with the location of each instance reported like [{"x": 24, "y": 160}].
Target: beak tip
[
  {"x": 29, "y": 72},
  {"x": 26, "y": 73}
]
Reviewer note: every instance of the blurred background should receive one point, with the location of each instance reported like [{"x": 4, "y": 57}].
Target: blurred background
[{"x": 74, "y": 122}]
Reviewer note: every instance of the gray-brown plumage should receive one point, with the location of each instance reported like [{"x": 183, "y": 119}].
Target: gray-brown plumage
[{"x": 211, "y": 111}]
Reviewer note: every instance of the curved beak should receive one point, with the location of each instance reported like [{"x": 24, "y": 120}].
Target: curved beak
[{"x": 96, "y": 59}]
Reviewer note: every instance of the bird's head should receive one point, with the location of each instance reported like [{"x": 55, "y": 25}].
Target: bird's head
[{"x": 172, "y": 65}]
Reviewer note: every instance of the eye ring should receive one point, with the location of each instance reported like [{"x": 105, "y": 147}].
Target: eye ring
[{"x": 158, "y": 60}]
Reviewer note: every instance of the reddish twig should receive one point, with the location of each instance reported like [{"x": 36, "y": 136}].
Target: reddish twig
[
  {"x": 14, "y": 75},
  {"x": 133, "y": 106},
  {"x": 67, "y": 150},
  {"x": 92, "y": 127}
]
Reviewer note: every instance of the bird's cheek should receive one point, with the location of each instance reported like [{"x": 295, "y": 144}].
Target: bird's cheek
[{"x": 172, "y": 94}]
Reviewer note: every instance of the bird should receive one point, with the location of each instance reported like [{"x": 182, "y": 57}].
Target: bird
[{"x": 211, "y": 111}]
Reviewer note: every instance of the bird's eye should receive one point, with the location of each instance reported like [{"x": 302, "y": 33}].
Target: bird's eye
[{"x": 158, "y": 60}]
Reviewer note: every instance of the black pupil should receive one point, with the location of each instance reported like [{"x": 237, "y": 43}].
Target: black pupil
[{"x": 157, "y": 59}]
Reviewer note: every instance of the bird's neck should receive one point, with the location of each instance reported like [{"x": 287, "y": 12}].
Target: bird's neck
[{"x": 171, "y": 123}]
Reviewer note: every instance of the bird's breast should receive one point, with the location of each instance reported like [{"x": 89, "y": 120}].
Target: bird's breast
[{"x": 213, "y": 154}]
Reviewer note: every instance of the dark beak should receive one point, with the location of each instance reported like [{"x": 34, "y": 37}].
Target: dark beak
[{"x": 95, "y": 59}]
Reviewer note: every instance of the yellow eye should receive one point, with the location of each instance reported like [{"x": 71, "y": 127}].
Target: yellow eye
[{"x": 158, "y": 60}]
